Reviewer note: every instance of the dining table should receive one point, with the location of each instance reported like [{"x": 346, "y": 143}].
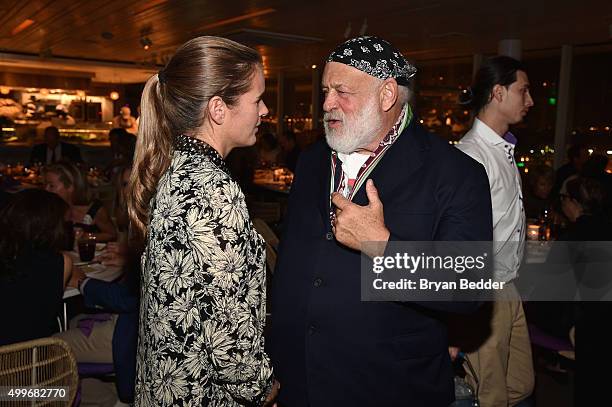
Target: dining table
[
  {"x": 92, "y": 269},
  {"x": 274, "y": 179}
]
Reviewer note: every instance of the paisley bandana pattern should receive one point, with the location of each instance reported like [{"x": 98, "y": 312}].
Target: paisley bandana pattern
[{"x": 376, "y": 57}]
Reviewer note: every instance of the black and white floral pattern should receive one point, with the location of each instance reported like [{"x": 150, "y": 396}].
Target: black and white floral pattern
[{"x": 203, "y": 290}]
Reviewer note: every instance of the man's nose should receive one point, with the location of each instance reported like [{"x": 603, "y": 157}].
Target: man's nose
[{"x": 330, "y": 102}]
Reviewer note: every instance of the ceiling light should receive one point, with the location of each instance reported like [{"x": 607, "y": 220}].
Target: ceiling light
[
  {"x": 22, "y": 26},
  {"x": 114, "y": 95},
  {"x": 146, "y": 43},
  {"x": 5, "y": 90}
]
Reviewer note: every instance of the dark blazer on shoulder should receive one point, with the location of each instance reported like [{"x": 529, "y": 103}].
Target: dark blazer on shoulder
[{"x": 69, "y": 152}]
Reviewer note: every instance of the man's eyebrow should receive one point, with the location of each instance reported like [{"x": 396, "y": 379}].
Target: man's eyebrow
[{"x": 334, "y": 85}]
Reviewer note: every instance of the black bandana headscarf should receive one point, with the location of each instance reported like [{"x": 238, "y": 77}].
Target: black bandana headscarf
[{"x": 375, "y": 57}]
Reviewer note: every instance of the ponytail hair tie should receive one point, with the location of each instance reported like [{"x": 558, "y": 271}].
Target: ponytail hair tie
[{"x": 161, "y": 76}]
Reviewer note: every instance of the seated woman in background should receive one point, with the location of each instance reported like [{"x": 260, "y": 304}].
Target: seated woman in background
[
  {"x": 67, "y": 181},
  {"x": 110, "y": 337},
  {"x": 584, "y": 205},
  {"x": 33, "y": 270},
  {"x": 538, "y": 197},
  {"x": 120, "y": 214}
]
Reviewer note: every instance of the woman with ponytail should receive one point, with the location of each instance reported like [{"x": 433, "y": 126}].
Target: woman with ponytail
[{"x": 202, "y": 308}]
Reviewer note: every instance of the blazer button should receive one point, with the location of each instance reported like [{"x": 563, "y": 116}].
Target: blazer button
[
  {"x": 318, "y": 282},
  {"x": 311, "y": 329},
  {"x": 329, "y": 236}
]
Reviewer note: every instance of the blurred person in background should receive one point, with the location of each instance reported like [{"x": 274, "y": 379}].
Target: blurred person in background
[
  {"x": 122, "y": 146},
  {"x": 66, "y": 180},
  {"x": 538, "y": 190},
  {"x": 268, "y": 150},
  {"x": 125, "y": 120},
  {"x": 53, "y": 150},
  {"x": 595, "y": 168},
  {"x": 110, "y": 335},
  {"x": 289, "y": 150},
  {"x": 120, "y": 211},
  {"x": 577, "y": 155},
  {"x": 63, "y": 117},
  {"x": 33, "y": 270}
]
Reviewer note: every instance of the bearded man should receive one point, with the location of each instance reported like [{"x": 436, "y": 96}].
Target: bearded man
[{"x": 380, "y": 177}]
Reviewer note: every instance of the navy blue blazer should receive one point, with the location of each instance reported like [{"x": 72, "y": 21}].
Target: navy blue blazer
[
  {"x": 327, "y": 347},
  {"x": 119, "y": 298}
]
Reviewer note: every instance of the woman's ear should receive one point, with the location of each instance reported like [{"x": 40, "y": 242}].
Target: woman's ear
[{"x": 216, "y": 110}]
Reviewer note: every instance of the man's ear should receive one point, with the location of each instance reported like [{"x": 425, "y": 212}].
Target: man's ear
[
  {"x": 216, "y": 110},
  {"x": 388, "y": 94},
  {"x": 498, "y": 93}
]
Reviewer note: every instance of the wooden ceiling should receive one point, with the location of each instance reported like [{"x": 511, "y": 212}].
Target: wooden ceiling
[{"x": 89, "y": 35}]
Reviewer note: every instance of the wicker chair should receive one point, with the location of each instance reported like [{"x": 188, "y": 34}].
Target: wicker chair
[{"x": 45, "y": 362}]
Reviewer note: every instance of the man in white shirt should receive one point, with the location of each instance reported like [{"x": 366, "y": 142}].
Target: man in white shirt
[{"x": 499, "y": 98}]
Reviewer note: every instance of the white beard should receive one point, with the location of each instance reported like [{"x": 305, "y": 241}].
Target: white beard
[{"x": 357, "y": 131}]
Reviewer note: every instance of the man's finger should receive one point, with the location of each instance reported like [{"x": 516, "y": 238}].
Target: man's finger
[
  {"x": 340, "y": 202},
  {"x": 372, "y": 193}
]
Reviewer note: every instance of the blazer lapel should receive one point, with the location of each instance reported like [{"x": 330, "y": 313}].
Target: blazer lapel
[
  {"x": 400, "y": 161},
  {"x": 324, "y": 177}
]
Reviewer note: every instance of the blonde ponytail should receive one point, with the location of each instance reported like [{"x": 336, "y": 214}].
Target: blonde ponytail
[{"x": 176, "y": 103}]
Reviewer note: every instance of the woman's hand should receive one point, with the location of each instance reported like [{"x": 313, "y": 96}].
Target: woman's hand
[
  {"x": 112, "y": 258},
  {"x": 270, "y": 400},
  {"x": 77, "y": 277}
]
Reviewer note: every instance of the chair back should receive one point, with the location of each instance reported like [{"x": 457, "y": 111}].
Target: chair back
[
  {"x": 271, "y": 242},
  {"x": 269, "y": 212},
  {"x": 45, "y": 362}
]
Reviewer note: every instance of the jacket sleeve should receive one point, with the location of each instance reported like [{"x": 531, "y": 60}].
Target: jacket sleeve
[
  {"x": 466, "y": 216},
  {"x": 115, "y": 297}
]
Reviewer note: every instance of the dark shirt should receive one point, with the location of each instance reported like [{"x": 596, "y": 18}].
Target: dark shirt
[{"x": 31, "y": 301}]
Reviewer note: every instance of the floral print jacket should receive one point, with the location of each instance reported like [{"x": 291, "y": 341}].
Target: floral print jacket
[{"x": 202, "y": 309}]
